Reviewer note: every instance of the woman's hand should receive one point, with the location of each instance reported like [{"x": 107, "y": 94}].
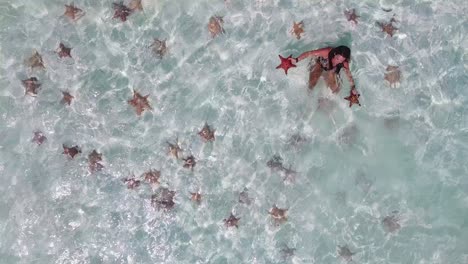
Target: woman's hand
[{"x": 294, "y": 60}]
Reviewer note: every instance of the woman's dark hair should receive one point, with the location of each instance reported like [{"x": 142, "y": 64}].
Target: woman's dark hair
[{"x": 341, "y": 50}]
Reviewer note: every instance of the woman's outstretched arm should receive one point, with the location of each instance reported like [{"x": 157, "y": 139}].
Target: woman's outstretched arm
[
  {"x": 320, "y": 52},
  {"x": 348, "y": 74}
]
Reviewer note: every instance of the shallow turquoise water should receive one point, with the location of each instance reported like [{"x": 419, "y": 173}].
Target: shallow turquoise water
[{"x": 404, "y": 150}]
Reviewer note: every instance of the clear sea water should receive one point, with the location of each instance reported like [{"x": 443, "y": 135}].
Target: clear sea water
[{"x": 404, "y": 150}]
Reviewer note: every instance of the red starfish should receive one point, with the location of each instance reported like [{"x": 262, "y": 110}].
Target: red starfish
[
  {"x": 121, "y": 11},
  {"x": 353, "y": 98},
  {"x": 351, "y": 15},
  {"x": 63, "y": 51},
  {"x": 285, "y": 63}
]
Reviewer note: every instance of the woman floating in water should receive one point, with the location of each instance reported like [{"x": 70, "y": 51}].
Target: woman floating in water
[{"x": 328, "y": 62}]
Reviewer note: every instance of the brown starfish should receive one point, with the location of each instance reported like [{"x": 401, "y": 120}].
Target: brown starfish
[
  {"x": 244, "y": 197},
  {"x": 287, "y": 252},
  {"x": 393, "y": 75},
  {"x": 298, "y": 29},
  {"x": 279, "y": 215},
  {"x": 275, "y": 163},
  {"x": 35, "y": 61},
  {"x": 94, "y": 159},
  {"x": 164, "y": 199},
  {"x": 71, "y": 151},
  {"x": 39, "y": 137},
  {"x": 132, "y": 183},
  {"x": 121, "y": 11},
  {"x": 391, "y": 224},
  {"x": 67, "y": 98},
  {"x": 159, "y": 47},
  {"x": 174, "y": 149},
  {"x": 139, "y": 102},
  {"x": 215, "y": 26},
  {"x": 231, "y": 221},
  {"x": 207, "y": 133},
  {"x": 73, "y": 12},
  {"x": 353, "y": 97},
  {"x": 289, "y": 174},
  {"x": 31, "y": 86},
  {"x": 152, "y": 176},
  {"x": 63, "y": 51},
  {"x": 351, "y": 15},
  {"x": 388, "y": 27},
  {"x": 189, "y": 162},
  {"x": 196, "y": 197},
  {"x": 135, "y": 5},
  {"x": 345, "y": 253}
]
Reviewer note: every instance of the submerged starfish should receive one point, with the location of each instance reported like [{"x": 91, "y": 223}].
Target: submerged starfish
[
  {"x": 345, "y": 253},
  {"x": 244, "y": 197},
  {"x": 152, "y": 176},
  {"x": 351, "y": 15},
  {"x": 121, "y": 11},
  {"x": 393, "y": 75},
  {"x": 63, "y": 51},
  {"x": 39, "y": 137},
  {"x": 215, "y": 26},
  {"x": 139, "y": 102},
  {"x": 31, "y": 86},
  {"x": 391, "y": 224},
  {"x": 35, "y": 61},
  {"x": 159, "y": 48},
  {"x": 174, "y": 149},
  {"x": 353, "y": 97},
  {"x": 207, "y": 133},
  {"x": 71, "y": 151},
  {"x": 94, "y": 159},
  {"x": 279, "y": 215},
  {"x": 232, "y": 221},
  {"x": 388, "y": 27},
  {"x": 67, "y": 98},
  {"x": 285, "y": 64},
  {"x": 298, "y": 29},
  {"x": 196, "y": 197},
  {"x": 287, "y": 252},
  {"x": 135, "y": 5},
  {"x": 189, "y": 162},
  {"x": 289, "y": 174},
  {"x": 73, "y": 12},
  {"x": 132, "y": 183},
  {"x": 164, "y": 199},
  {"x": 275, "y": 163}
]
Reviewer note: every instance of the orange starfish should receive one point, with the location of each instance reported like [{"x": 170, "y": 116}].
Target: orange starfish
[
  {"x": 393, "y": 75},
  {"x": 71, "y": 151},
  {"x": 73, "y": 12},
  {"x": 31, "y": 86},
  {"x": 139, "y": 102},
  {"x": 215, "y": 26},
  {"x": 35, "y": 61},
  {"x": 63, "y": 51},
  {"x": 388, "y": 27},
  {"x": 232, "y": 221},
  {"x": 353, "y": 97},
  {"x": 298, "y": 29},
  {"x": 279, "y": 215},
  {"x": 39, "y": 137},
  {"x": 67, "y": 98},
  {"x": 94, "y": 159},
  {"x": 196, "y": 197},
  {"x": 351, "y": 15},
  {"x": 207, "y": 133},
  {"x": 152, "y": 176}
]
